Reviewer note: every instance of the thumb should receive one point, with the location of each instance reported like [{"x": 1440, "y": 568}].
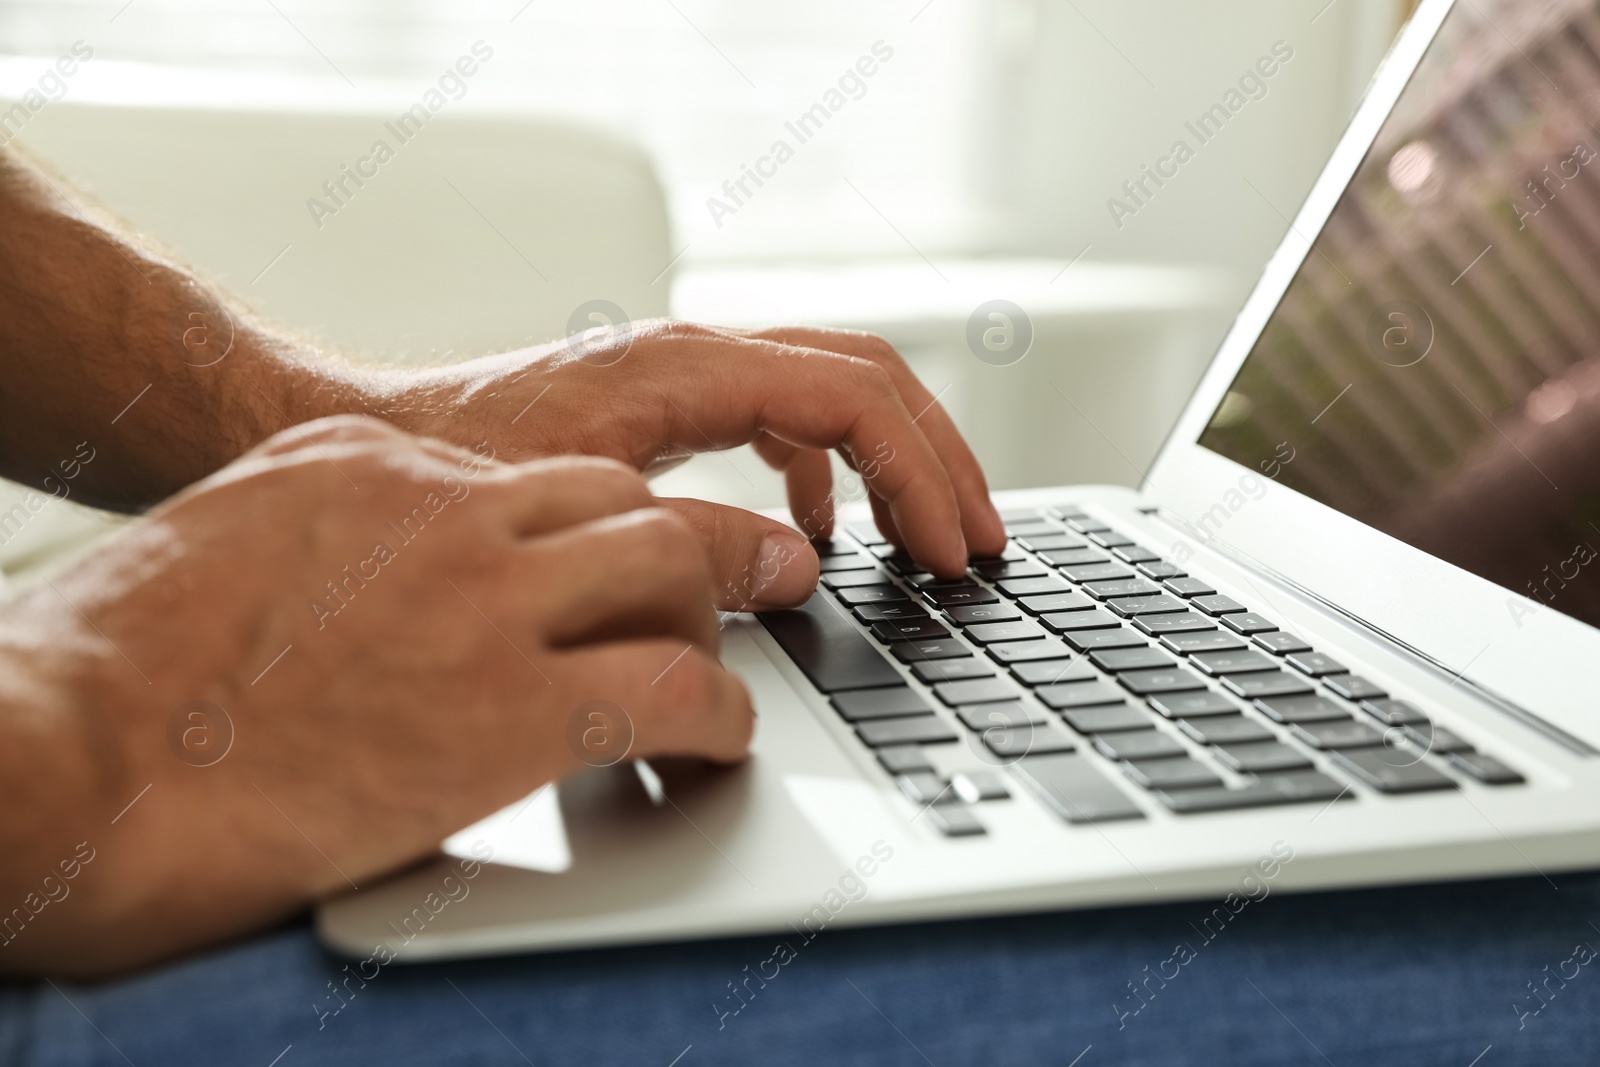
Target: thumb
[{"x": 756, "y": 563}]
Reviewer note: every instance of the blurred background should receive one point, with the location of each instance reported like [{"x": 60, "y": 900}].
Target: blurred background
[{"x": 957, "y": 152}]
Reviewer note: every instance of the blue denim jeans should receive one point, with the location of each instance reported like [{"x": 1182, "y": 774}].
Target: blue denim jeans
[{"x": 1488, "y": 973}]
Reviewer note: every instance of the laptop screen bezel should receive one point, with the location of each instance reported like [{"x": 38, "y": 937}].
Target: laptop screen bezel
[{"x": 1526, "y": 653}]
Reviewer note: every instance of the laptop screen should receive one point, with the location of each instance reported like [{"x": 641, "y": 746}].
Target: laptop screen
[{"x": 1434, "y": 368}]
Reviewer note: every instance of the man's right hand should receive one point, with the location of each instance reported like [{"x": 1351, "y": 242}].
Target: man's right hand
[{"x": 403, "y": 636}]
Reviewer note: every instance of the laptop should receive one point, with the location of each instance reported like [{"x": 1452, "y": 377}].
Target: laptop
[{"x": 1342, "y": 635}]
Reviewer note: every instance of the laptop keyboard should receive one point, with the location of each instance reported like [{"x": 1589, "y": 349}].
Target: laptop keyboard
[{"x": 1092, "y": 669}]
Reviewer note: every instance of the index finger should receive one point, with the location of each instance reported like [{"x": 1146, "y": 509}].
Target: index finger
[
  {"x": 819, "y": 399},
  {"x": 980, "y": 522}
]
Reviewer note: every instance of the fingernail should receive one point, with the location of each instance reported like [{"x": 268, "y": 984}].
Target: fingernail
[{"x": 785, "y": 572}]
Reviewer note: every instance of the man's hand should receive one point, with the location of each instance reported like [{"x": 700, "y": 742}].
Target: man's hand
[
  {"x": 402, "y": 635},
  {"x": 664, "y": 389}
]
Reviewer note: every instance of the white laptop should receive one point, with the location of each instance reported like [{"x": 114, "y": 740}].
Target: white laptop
[{"x": 1342, "y": 635}]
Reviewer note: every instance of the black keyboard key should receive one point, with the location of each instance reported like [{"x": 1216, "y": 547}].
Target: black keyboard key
[
  {"x": 974, "y": 787},
  {"x": 824, "y": 549},
  {"x": 1236, "y": 661},
  {"x": 972, "y": 614},
  {"x": 1100, "y": 572},
  {"x": 1217, "y": 604},
  {"x": 1071, "y": 621},
  {"x": 1347, "y": 733},
  {"x": 1110, "y": 539},
  {"x": 1011, "y": 515},
  {"x": 1052, "y": 671},
  {"x": 1301, "y": 709},
  {"x": 1135, "y": 554},
  {"x": 1259, "y": 686},
  {"x": 1187, "y": 644},
  {"x": 922, "y": 730},
  {"x": 888, "y": 703},
  {"x": 1047, "y": 540},
  {"x": 1107, "y": 720},
  {"x": 1160, "y": 604},
  {"x": 1171, "y": 774},
  {"x": 1294, "y": 787},
  {"x": 909, "y": 630},
  {"x": 1354, "y": 687},
  {"x": 1073, "y": 557},
  {"x": 1138, "y": 745},
  {"x": 1248, "y": 623},
  {"x": 1119, "y": 587},
  {"x": 1006, "y": 716},
  {"x": 1181, "y": 622},
  {"x": 1130, "y": 659},
  {"x": 1012, "y": 745},
  {"x": 855, "y": 561},
  {"x": 1009, "y": 652},
  {"x": 990, "y": 633},
  {"x": 870, "y": 594},
  {"x": 996, "y": 570},
  {"x": 1034, "y": 527},
  {"x": 1186, "y": 586},
  {"x": 1193, "y": 705},
  {"x": 1226, "y": 730},
  {"x": 867, "y": 533},
  {"x": 1075, "y": 789},
  {"x": 1261, "y": 757},
  {"x": 1392, "y": 712},
  {"x": 1281, "y": 643},
  {"x": 1484, "y": 768},
  {"x": 1161, "y": 570},
  {"x": 1063, "y": 695},
  {"x": 892, "y": 612},
  {"x": 955, "y": 820},
  {"x": 1391, "y": 771},
  {"x": 898, "y": 562},
  {"x": 1044, "y": 605},
  {"x": 1085, "y": 525},
  {"x": 1044, "y": 586},
  {"x": 831, "y": 652},
  {"x": 1172, "y": 680},
  {"x": 904, "y": 759},
  {"x": 922, "y": 651},
  {"x": 959, "y": 596},
  {"x": 1092, "y": 640},
  {"x": 951, "y": 670},
  {"x": 925, "y": 580},
  {"x": 1436, "y": 739},
  {"x": 1067, "y": 511},
  {"x": 924, "y": 788},
  {"x": 975, "y": 691},
  {"x": 1315, "y": 664}
]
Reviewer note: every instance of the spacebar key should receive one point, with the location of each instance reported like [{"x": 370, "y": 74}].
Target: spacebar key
[
  {"x": 1075, "y": 789},
  {"x": 828, "y": 647}
]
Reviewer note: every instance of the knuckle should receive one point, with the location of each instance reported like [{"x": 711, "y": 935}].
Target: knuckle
[
  {"x": 339, "y": 429},
  {"x": 871, "y": 378}
]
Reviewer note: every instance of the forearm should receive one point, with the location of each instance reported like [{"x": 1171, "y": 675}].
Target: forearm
[{"x": 110, "y": 346}]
